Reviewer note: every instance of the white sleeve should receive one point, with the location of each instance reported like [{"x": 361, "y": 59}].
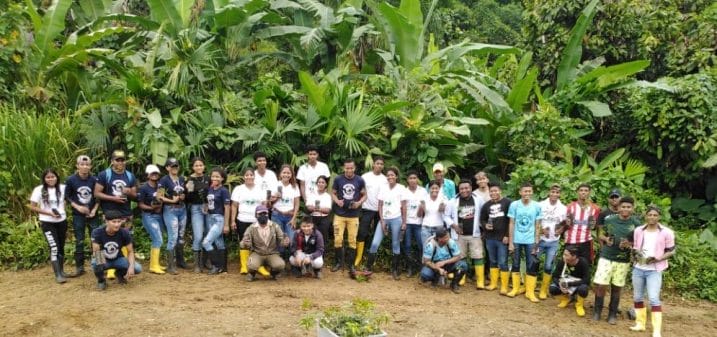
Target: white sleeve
[
  {"x": 235, "y": 194},
  {"x": 301, "y": 175},
  {"x": 36, "y": 195}
]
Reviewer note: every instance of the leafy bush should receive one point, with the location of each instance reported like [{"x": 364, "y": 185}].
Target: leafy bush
[
  {"x": 22, "y": 246},
  {"x": 693, "y": 269}
]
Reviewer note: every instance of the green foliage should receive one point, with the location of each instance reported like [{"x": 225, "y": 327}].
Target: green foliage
[
  {"x": 359, "y": 319},
  {"x": 694, "y": 213},
  {"x": 487, "y": 21},
  {"x": 22, "y": 245},
  {"x": 693, "y": 269}
]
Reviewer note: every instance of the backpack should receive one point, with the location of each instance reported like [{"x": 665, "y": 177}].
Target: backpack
[
  {"x": 435, "y": 249},
  {"x": 127, "y": 174}
]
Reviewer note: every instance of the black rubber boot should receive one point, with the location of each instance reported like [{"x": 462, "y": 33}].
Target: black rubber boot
[
  {"x": 61, "y": 258},
  {"x": 350, "y": 256},
  {"x": 410, "y": 265},
  {"x": 206, "y": 261},
  {"x": 370, "y": 260},
  {"x": 197, "y": 261},
  {"x": 217, "y": 259},
  {"x": 179, "y": 254},
  {"x": 395, "y": 272},
  {"x": 457, "y": 276},
  {"x": 614, "y": 305},
  {"x": 79, "y": 264},
  {"x": 339, "y": 257},
  {"x": 58, "y": 272},
  {"x": 597, "y": 308},
  {"x": 171, "y": 262}
]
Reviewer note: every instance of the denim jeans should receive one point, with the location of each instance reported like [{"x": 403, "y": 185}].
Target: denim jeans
[
  {"x": 413, "y": 232},
  {"x": 531, "y": 265},
  {"x": 214, "y": 234},
  {"x": 650, "y": 280},
  {"x": 498, "y": 254},
  {"x": 199, "y": 225},
  {"x": 394, "y": 226},
  {"x": 80, "y": 223},
  {"x": 427, "y": 232},
  {"x": 175, "y": 218},
  {"x": 550, "y": 250},
  {"x": 283, "y": 222},
  {"x": 153, "y": 223},
  {"x": 428, "y": 274},
  {"x": 120, "y": 265}
]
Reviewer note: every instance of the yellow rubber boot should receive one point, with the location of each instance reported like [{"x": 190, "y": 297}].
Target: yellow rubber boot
[
  {"x": 463, "y": 280},
  {"x": 154, "y": 266},
  {"x": 504, "y": 279},
  {"x": 530, "y": 283},
  {"x": 656, "y": 317},
  {"x": 494, "y": 272},
  {"x": 544, "y": 286},
  {"x": 359, "y": 253},
  {"x": 125, "y": 251},
  {"x": 579, "y": 308},
  {"x": 640, "y": 319},
  {"x": 564, "y": 301},
  {"x": 263, "y": 272},
  {"x": 111, "y": 274},
  {"x": 243, "y": 260},
  {"x": 516, "y": 285},
  {"x": 480, "y": 277}
]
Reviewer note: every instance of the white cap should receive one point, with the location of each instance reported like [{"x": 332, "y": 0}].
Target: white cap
[
  {"x": 438, "y": 167},
  {"x": 151, "y": 168}
]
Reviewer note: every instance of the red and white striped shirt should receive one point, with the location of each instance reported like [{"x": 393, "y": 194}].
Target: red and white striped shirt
[{"x": 579, "y": 231}]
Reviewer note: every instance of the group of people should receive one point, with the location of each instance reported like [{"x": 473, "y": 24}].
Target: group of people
[{"x": 451, "y": 226}]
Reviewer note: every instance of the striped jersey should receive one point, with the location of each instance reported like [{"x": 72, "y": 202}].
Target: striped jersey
[{"x": 579, "y": 230}]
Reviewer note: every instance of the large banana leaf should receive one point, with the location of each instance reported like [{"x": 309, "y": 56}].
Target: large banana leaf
[
  {"x": 605, "y": 76},
  {"x": 317, "y": 94},
  {"x": 184, "y": 9},
  {"x": 573, "y": 51},
  {"x": 598, "y": 109},
  {"x": 520, "y": 92},
  {"x": 164, "y": 11},
  {"x": 404, "y": 27},
  {"x": 93, "y": 9},
  {"x": 53, "y": 23}
]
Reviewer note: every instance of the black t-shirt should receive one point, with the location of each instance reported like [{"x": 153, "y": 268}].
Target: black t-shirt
[
  {"x": 497, "y": 213},
  {"x": 81, "y": 191},
  {"x": 604, "y": 214},
  {"x": 466, "y": 214},
  {"x": 348, "y": 190},
  {"x": 217, "y": 199},
  {"x": 581, "y": 270},
  {"x": 147, "y": 195},
  {"x": 196, "y": 188},
  {"x": 113, "y": 185},
  {"x": 111, "y": 245}
]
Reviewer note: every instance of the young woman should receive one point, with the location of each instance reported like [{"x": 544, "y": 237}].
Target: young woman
[
  {"x": 392, "y": 216},
  {"x": 482, "y": 182},
  {"x": 171, "y": 188},
  {"x": 319, "y": 204},
  {"x": 196, "y": 187},
  {"x": 152, "y": 219},
  {"x": 218, "y": 215},
  {"x": 433, "y": 207},
  {"x": 414, "y": 218},
  {"x": 245, "y": 198},
  {"x": 286, "y": 206},
  {"x": 653, "y": 245},
  {"x": 48, "y": 201}
]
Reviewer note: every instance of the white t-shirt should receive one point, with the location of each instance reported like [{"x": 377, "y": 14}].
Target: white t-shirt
[
  {"x": 267, "y": 182},
  {"x": 649, "y": 242},
  {"x": 308, "y": 174},
  {"x": 288, "y": 193},
  {"x": 324, "y": 202},
  {"x": 552, "y": 215},
  {"x": 248, "y": 200},
  {"x": 52, "y": 202},
  {"x": 392, "y": 198},
  {"x": 483, "y": 194},
  {"x": 373, "y": 184},
  {"x": 413, "y": 203},
  {"x": 432, "y": 217}
]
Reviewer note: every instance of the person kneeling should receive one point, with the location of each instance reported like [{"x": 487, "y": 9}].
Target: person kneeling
[
  {"x": 263, "y": 240},
  {"x": 110, "y": 244},
  {"x": 307, "y": 248},
  {"x": 571, "y": 277},
  {"x": 442, "y": 256}
]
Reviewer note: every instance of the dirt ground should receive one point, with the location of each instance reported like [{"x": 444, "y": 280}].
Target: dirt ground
[{"x": 227, "y": 305}]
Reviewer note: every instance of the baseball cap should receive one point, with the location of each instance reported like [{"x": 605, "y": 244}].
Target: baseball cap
[
  {"x": 614, "y": 193},
  {"x": 116, "y": 154},
  {"x": 261, "y": 208},
  {"x": 82, "y": 159},
  {"x": 151, "y": 168},
  {"x": 112, "y": 214},
  {"x": 172, "y": 162},
  {"x": 438, "y": 167}
]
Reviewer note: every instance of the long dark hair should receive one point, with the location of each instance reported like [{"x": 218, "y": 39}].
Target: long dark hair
[{"x": 45, "y": 187}]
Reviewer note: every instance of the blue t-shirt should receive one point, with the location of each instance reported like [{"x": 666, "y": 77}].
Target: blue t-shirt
[
  {"x": 81, "y": 191},
  {"x": 446, "y": 252},
  {"x": 111, "y": 246},
  {"x": 171, "y": 187},
  {"x": 113, "y": 186},
  {"x": 349, "y": 190},
  {"x": 146, "y": 195},
  {"x": 525, "y": 217},
  {"x": 217, "y": 199}
]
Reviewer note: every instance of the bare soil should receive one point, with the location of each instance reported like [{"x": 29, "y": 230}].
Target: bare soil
[{"x": 227, "y": 305}]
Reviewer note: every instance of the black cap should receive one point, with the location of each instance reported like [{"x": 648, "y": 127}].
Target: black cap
[
  {"x": 112, "y": 214},
  {"x": 614, "y": 193},
  {"x": 171, "y": 162}
]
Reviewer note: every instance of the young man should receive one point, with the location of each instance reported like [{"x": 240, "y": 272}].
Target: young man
[
  {"x": 441, "y": 256},
  {"x": 463, "y": 215},
  {"x": 582, "y": 216},
  {"x": 79, "y": 189},
  {"x": 369, "y": 210},
  {"x": 614, "y": 264},
  {"x": 263, "y": 240},
  {"x": 571, "y": 277},
  {"x": 448, "y": 187},
  {"x": 309, "y": 172},
  {"x": 613, "y": 201},
  {"x": 494, "y": 217},
  {"x": 307, "y": 248},
  {"x": 107, "y": 252},
  {"x": 554, "y": 213},
  {"x": 524, "y": 230},
  {"x": 348, "y": 193},
  {"x": 483, "y": 189},
  {"x": 264, "y": 178},
  {"x": 116, "y": 186}
]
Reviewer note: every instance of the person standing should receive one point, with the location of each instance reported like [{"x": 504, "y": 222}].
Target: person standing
[
  {"x": 245, "y": 199},
  {"x": 463, "y": 215},
  {"x": 264, "y": 178},
  {"x": 433, "y": 208},
  {"x": 447, "y": 186},
  {"x": 218, "y": 216},
  {"x": 494, "y": 217},
  {"x": 348, "y": 193},
  {"x": 613, "y": 202},
  {"x": 571, "y": 279},
  {"x": 582, "y": 216},
  {"x": 524, "y": 228},
  {"x": 286, "y": 207},
  {"x": 375, "y": 180},
  {"x": 48, "y": 201},
  {"x": 554, "y": 214},
  {"x": 415, "y": 195},
  {"x": 174, "y": 212},
  {"x": 308, "y": 172},
  {"x": 319, "y": 204},
  {"x": 653, "y": 245},
  {"x": 392, "y": 217},
  {"x": 79, "y": 189},
  {"x": 483, "y": 189},
  {"x": 152, "y": 220},
  {"x": 116, "y": 186},
  {"x": 196, "y": 188}
]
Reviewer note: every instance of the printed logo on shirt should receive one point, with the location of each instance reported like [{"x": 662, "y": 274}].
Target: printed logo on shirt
[
  {"x": 349, "y": 191},
  {"x": 524, "y": 224},
  {"x": 117, "y": 187},
  {"x": 466, "y": 212},
  {"x": 496, "y": 211},
  {"x": 210, "y": 202},
  {"x": 550, "y": 215},
  {"x": 111, "y": 250},
  {"x": 84, "y": 195}
]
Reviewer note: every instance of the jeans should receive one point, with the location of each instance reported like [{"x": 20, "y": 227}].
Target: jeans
[
  {"x": 413, "y": 232},
  {"x": 153, "y": 223},
  {"x": 80, "y": 223},
  {"x": 175, "y": 218},
  {"x": 120, "y": 265},
  {"x": 550, "y": 249},
  {"x": 498, "y": 254},
  {"x": 531, "y": 265},
  {"x": 394, "y": 226},
  {"x": 428, "y": 274},
  {"x": 283, "y": 222},
  {"x": 199, "y": 225},
  {"x": 427, "y": 232},
  {"x": 214, "y": 234},
  {"x": 650, "y": 280}
]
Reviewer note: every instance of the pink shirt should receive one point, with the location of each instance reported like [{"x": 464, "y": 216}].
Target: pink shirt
[{"x": 665, "y": 243}]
